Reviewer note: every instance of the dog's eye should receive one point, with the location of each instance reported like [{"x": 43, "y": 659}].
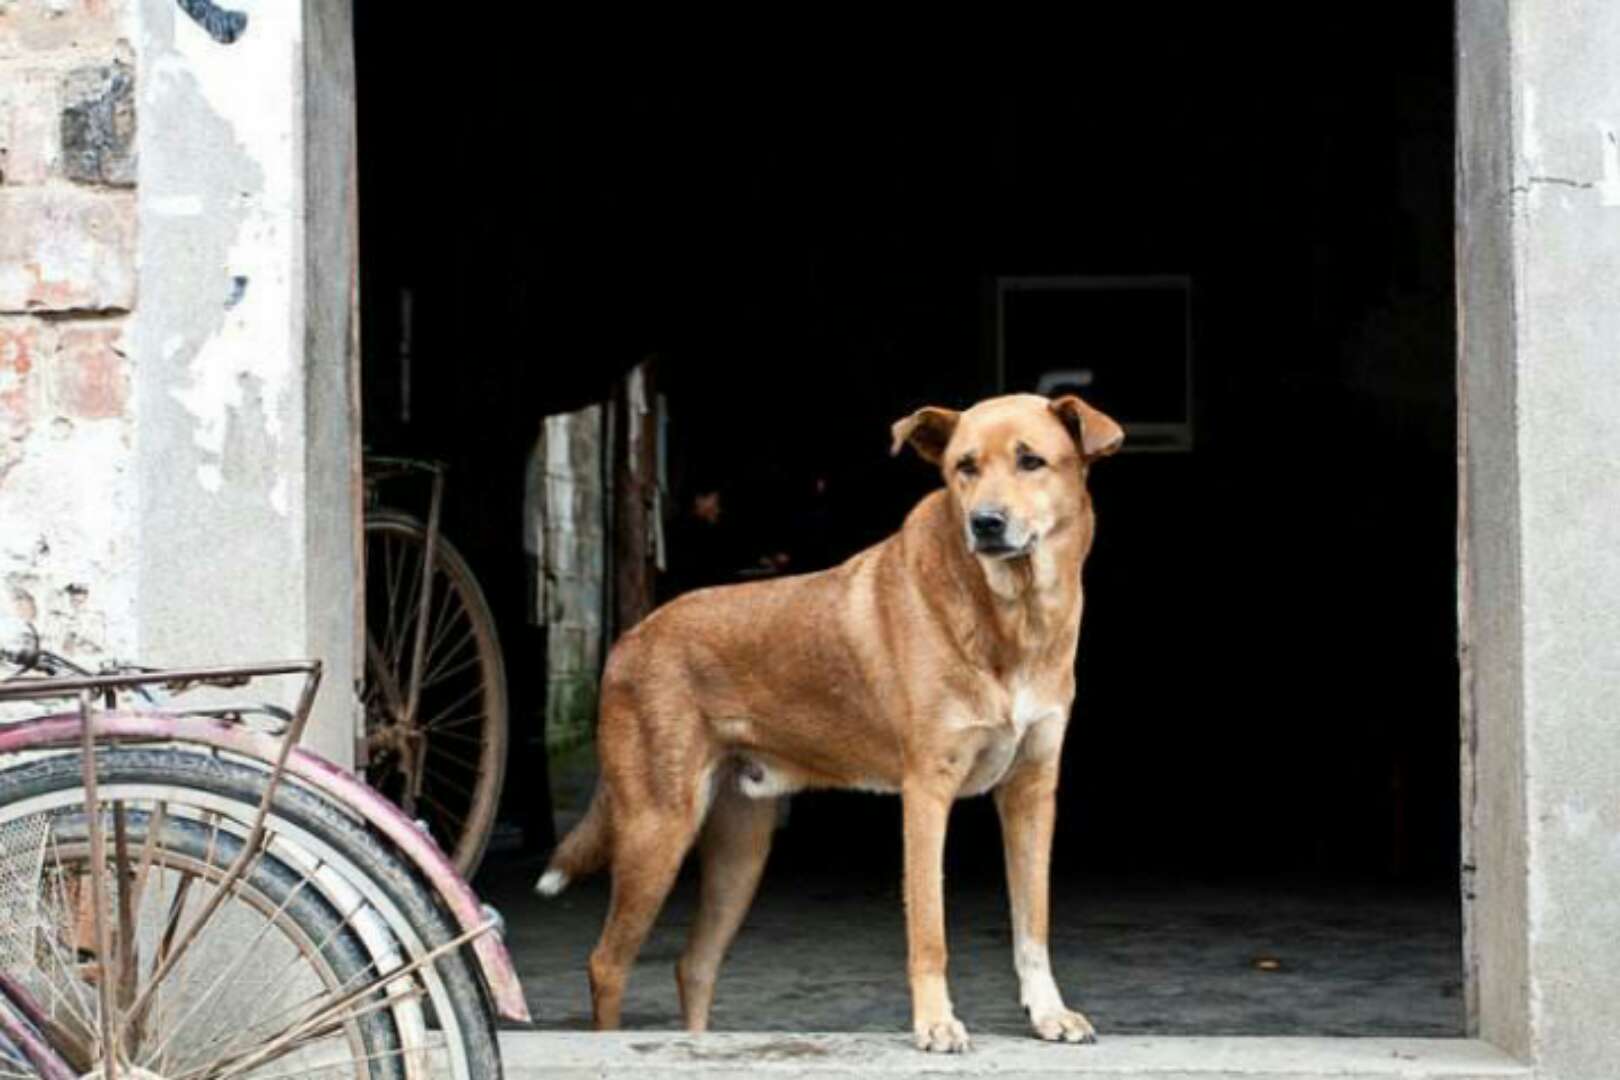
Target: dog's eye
[
  {"x": 968, "y": 467},
  {"x": 1029, "y": 462}
]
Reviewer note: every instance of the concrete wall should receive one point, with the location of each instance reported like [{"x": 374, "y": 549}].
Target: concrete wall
[
  {"x": 67, "y": 287},
  {"x": 1539, "y": 191},
  {"x": 1565, "y": 200}
]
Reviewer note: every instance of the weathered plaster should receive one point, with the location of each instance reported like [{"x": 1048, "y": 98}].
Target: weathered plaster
[{"x": 248, "y": 553}]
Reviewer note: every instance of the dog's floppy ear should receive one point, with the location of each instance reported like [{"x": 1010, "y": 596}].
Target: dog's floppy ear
[
  {"x": 1095, "y": 433},
  {"x": 927, "y": 430}
]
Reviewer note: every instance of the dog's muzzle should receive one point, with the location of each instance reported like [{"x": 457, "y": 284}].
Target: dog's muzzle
[{"x": 991, "y": 533}]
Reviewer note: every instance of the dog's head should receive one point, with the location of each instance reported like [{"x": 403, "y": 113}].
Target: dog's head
[{"x": 1015, "y": 466}]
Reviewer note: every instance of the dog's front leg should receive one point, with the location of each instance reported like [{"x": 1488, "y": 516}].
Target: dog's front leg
[
  {"x": 933, "y": 1021},
  {"x": 1027, "y": 803}
]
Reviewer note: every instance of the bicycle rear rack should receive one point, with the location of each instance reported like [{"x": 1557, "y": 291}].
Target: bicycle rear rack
[{"x": 177, "y": 680}]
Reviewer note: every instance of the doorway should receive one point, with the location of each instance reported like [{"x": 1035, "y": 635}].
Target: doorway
[{"x": 1263, "y": 761}]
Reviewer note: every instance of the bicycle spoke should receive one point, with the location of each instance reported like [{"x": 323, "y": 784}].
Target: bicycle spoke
[
  {"x": 477, "y": 691},
  {"x": 86, "y": 1008},
  {"x": 284, "y": 1046},
  {"x": 246, "y": 860},
  {"x": 343, "y": 1066},
  {"x": 449, "y": 613},
  {"x": 154, "y": 826},
  {"x": 438, "y": 727},
  {"x": 21, "y": 1062},
  {"x": 447, "y": 816},
  {"x": 210, "y": 998},
  {"x": 440, "y": 753},
  {"x": 244, "y": 1029},
  {"x": 405, "y": 627},
  {"x": 171, "y": 927},
  {"x": 442, "y": 671},
  {"x": 445, "y": 781},
  {"x": 397, "y": 576},
  {"x": 234, "y": 1043},
  {"x": 71, "y": 1007},
  {"x": 277, "y": 1046},
  {"x": 445, "y": 734}
]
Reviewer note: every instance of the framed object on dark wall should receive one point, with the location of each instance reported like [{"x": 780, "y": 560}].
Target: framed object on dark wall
[{"x": 1122, "y": 343}]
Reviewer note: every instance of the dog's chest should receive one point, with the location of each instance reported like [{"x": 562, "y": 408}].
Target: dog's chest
[{"x": 1001, "y": 742}]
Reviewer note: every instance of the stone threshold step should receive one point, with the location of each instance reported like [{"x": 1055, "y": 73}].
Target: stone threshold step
[{"x": 533, "y": 1055}]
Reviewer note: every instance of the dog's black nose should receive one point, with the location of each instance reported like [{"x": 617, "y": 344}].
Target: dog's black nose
[{"x": 988, "y": 524}]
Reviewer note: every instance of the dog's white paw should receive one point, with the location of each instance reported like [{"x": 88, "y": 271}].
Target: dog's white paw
[
  {"x": 946, "y": 1036},
  {"x": 1063, "y": 1025}
]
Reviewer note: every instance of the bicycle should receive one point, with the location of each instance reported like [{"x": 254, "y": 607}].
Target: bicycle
[
  {"x": 435, "y": 686},
  {"x": 187, "y": 895}
]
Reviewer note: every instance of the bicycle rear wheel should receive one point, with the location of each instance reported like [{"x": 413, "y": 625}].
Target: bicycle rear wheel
[
  {"x": 441, "y": 757},
  {"x": 307, "y": 966}
]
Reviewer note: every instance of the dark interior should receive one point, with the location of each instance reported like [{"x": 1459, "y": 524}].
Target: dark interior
[{"x": 1267, "y": 679}]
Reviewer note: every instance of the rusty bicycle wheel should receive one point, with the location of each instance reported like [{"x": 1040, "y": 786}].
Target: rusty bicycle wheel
[
  {"x": 439, "y": 750},
  {"x": 186, "y": 948}
]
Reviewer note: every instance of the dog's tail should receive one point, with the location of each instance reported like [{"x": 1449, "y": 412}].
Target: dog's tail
[{"x": 583, "y": 851}]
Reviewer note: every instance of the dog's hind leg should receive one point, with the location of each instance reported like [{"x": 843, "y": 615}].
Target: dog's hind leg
[
  {"x": 733, "y": 847},
  {"x": 648, "y": 851}
]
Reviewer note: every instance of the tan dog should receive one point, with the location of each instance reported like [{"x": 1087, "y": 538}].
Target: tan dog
[{"x": 937, "y": 664}]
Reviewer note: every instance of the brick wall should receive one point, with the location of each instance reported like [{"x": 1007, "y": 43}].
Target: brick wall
[{"x": 67, "y": 286}]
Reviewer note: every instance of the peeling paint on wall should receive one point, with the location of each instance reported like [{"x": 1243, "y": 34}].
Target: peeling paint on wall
[{"x": 224, "y": 386}]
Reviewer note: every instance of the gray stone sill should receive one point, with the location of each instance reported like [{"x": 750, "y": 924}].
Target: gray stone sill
[{"x": 531, "y": 1055}]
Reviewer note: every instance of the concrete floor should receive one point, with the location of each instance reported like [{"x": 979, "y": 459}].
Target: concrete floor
[{"x": 822, "y": 954}]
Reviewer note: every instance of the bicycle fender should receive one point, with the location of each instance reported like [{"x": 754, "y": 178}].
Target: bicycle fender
[{"x": 326, "y": 778}]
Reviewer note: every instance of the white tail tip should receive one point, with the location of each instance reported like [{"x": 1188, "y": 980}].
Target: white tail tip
[{"x": 551, "y": 883}]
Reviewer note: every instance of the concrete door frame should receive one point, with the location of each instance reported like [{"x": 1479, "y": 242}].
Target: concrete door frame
[
  {"x": 246, "y": 372},
  {"x": 1538, "y": 225},
  {"x": 271, "y": 465},
  {"x": 1538, "y": 184}
]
